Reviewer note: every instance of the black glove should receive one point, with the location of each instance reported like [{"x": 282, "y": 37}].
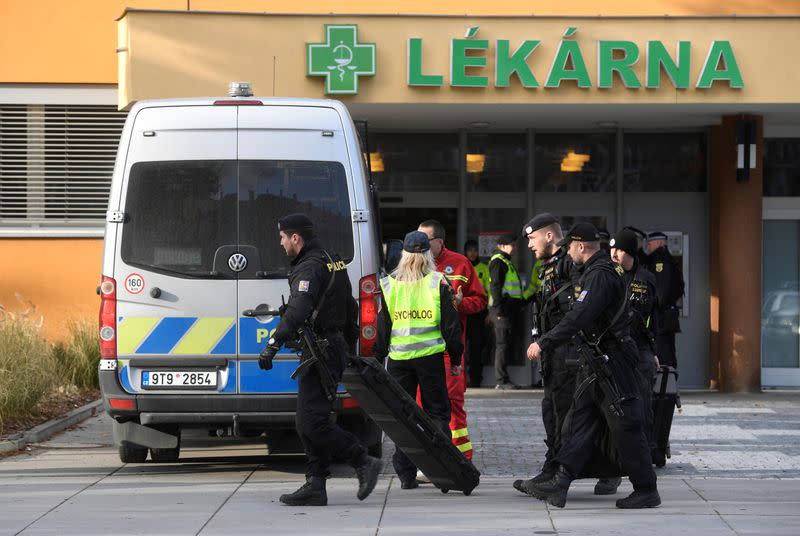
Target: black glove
[{"x": 265, "y": 358}]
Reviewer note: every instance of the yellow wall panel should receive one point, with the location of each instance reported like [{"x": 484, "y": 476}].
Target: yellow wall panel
[{"x": 59, "y": 276}]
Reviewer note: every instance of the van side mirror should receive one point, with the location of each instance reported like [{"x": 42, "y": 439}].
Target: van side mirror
[{"x": 392, "y": 253}]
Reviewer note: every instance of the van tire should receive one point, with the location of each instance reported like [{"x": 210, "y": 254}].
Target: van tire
[
  {"x": 131, "y": 454},
  {"x": 167, "y": 455}
]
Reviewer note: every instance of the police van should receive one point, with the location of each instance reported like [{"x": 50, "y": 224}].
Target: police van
[{"x": 191, "y": 244}]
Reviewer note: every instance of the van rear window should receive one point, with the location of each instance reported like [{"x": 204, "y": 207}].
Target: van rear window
[{"x": 186, "y": 217}]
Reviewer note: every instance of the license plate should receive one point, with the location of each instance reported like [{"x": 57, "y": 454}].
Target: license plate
[{"x": 152, "y": 379}]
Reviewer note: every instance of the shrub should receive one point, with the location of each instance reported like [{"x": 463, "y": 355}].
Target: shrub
[
  {"x": 27, "y": 368},
  {"x": 79, "y": 357}
]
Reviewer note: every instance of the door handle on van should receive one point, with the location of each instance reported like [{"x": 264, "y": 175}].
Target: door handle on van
[{"x": 260, "y": 311}]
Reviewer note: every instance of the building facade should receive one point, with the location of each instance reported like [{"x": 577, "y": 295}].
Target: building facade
[{"x": 682, "y": 120}]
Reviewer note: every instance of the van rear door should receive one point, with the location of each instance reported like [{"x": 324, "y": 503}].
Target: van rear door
[
  {"x": 177, "y": 300},
  {"x": 291, "y": 159}
]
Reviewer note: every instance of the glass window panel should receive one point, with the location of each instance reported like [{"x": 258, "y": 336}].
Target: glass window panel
[
  {"x": 780, "y": 312},
  {"x": 496, "y": 162},
  {"x": 414, "y": 162},
  {"x": 271, "y": 189},
  {"x": 575, "y": 162},
  {"x": 664, "y": 162},
  {"x": 782, "y": 167},
  {"x": 179, "y": 213}
]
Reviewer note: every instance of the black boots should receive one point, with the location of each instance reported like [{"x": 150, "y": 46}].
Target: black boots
[
  {"x": 526, "y": 486},
  {"x": 312, "y": 493},
  {"x": 640, "y": 499},
  {"x": 554, "y": 491},
  {"x": 367, "y": 474},
  {"x": 607, "y": 486}
]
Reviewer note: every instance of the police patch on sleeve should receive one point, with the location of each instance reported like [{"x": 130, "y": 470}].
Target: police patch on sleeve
[
  {"x": 302, "y": 286},
  {"x": 659, "y": 267},
  {"x": 582, "y": 295}
]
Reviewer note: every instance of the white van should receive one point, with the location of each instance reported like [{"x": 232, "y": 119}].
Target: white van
[{"x": 192, "y": 242}]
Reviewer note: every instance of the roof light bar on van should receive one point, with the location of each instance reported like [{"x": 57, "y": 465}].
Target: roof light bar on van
[
  {"x": 108, "y": 318},
  {"x": 230, "y": 102},
  {"x": 240, "y": 89}
]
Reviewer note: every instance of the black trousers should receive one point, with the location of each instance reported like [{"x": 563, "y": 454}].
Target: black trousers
[
  {"x": 477, "y": 337},
  {"x": 590, "y": 409},
  {"x": 323, "y": 440},
  {"x": 428, "y": 374},
  {"x": 646, "y": 370},
  {"x": 559, "y": 370},
  {"x": 507, "y": 334},
  {"x": 665, "y": 346}
]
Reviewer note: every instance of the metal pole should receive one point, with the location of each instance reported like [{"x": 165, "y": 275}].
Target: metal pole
[{"x": 461, "y": 235}]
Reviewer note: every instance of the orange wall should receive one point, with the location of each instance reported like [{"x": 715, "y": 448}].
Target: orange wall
[
  {"x": 57, "y": 275},
  {"x": 57, "y": 41}
]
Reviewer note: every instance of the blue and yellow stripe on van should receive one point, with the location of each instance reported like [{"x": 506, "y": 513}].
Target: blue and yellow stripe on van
[{"x": 176, "y": 335}]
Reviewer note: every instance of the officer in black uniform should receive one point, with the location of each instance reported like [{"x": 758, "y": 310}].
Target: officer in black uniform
[
  {"x": 669, "y": 289},
  {"x": 599, "y": 314},
  {"x": 605, "y": 238},
  {"x": 641, "y": 240},
  {"x": 559, "y": 367},
  {"x": 641, "y": 286},
  {"x": 311, "y": 288}
]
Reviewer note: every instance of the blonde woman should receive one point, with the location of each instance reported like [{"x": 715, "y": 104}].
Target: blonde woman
[{"x": 417, "y": 322}]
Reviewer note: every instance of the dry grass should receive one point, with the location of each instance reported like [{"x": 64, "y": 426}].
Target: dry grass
[
  {"x": 31, "y": 368},
  {"x": 78, "y": 358},
  {"x": 26, "y": 365}
]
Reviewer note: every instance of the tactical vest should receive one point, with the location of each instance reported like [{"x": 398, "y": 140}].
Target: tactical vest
[
  {"x": 556, "y": 294},
  {"x": 512, "y": 286},
  {"x": 640, "y": 299},
  {"x": 615, "y": 322},
  {"x": 415, "y": 310}
]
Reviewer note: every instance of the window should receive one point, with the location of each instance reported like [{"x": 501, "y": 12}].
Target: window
[
  {"x": 178, "y": 215},
  {"x": 496, "y": 162},
  {"x": 269, "y": 190},
  {"x": 664, "y": 162},
  {"x": 414, "y": 162},
  {"x": 56, "y": 163},
  {"x": 575, "y": 163},
  {"x": 780, "y": 313},
  {"x": 782, "y": 167}
]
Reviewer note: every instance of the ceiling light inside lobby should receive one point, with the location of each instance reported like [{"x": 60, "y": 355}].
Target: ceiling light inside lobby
[{"x": 574, "y": 162}]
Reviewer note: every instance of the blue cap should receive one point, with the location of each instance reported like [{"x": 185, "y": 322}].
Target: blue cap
[{"x": 416, "y": 242}]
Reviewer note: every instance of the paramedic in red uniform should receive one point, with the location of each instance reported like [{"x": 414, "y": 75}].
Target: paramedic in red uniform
[{"x": 470, "y": 298}]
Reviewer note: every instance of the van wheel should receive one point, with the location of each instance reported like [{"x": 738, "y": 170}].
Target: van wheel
[
  {"x": 167, "y": 455},
  {"x": 131, "y": 454}
]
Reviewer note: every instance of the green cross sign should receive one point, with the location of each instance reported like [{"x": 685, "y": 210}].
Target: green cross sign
[{"x": 342, "y": 59}]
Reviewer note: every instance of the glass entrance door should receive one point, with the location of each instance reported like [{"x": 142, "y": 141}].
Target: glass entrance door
[{"x": 780, "y": 310}]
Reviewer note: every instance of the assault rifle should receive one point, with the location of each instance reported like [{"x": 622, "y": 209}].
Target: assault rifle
[
  {"x": 312, "y": 351},
  {"x": 591, "y": 356}
]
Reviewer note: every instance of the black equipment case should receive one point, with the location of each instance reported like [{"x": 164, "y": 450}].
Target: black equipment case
[
  {"x": 666, "y": 398},
  {"x": 412, "y": 431}
]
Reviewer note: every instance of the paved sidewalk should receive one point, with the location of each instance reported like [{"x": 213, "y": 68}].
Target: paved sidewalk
[{"x": 735, "y": 471}]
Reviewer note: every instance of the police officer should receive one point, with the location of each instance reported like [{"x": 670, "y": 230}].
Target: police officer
[
  {"x": 477, "y": 334},
  {"x": 598, "y": 315},
  {"x": 669, "y": 289},
  {"x": 560, "y": 365},
  {"x": 506, "y": 299},
  {"x": 417, "y": 322},
  {"x": 641, "y": 285},
  {"x": 318, "y": 282},
  {"x": 605, "y": 238}
]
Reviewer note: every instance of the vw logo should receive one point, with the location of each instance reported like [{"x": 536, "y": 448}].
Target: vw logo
[{"x": 237, "y": 262}]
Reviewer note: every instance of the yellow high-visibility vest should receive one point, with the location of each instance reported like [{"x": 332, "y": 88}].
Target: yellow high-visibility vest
[
  {"x": 416, "y": 313},
  {"x": 512, "y": 286}
]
